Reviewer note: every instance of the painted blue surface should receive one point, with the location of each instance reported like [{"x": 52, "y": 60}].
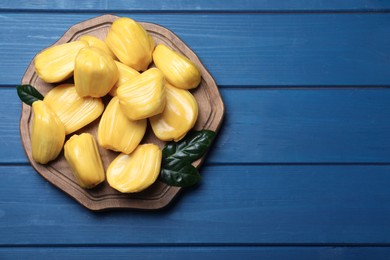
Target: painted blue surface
[
  {"x": 300, "y": 169},
  {"x": 195, "y": 6},
  {"x": 239, "y": 50},
  {"x": 276, "y": 125},
  {"x": 233, "y": 205},
  {"x": 204, "y": 252}
]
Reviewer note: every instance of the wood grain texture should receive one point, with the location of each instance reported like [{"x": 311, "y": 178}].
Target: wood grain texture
[
  {"x": 195, "y": 6},
  {"x": 104, "y": 197},
  {"x": 205, "y": 252},
  {"x": 233, "y": 205},
  {"x": 240, "y": 50},
  {"x": 298, "y": 171},
  {"x": 273, "y": 126}
]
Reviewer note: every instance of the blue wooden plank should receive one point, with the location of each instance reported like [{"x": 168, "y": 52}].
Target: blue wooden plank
[
  {"x": 273, "y": 126},
  {"x": 238, "y": 49},
  {"x": 305, "y": 126},
  {"x": 233, "y": 205},
  {"x": 196, "y": 6},
  {"x": 11, "y": 149},
  {"x": 197, "y": 252}
]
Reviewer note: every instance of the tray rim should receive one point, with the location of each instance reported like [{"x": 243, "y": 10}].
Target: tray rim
[{"x": 171, "y": 191}]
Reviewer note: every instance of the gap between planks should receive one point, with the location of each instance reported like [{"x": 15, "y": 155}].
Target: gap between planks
[
  {"x": 215, "y": 164},
  {"x": 268, "y": 87},
  {"x": 198, "y": 245},
  {"x": 201, "y": 12}
]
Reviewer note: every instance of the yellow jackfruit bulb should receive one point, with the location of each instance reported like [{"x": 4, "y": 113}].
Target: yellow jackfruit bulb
[
  {"x": 92, "y": 41},
  {"x": 47, "y": 133},
  {"x": 82, "y": 154},
  {"x": 95, "y": 72},
  {"x": 56, "y": 63},
  {"x": 125, "y": 74},
  {"x": 74, "y": 111},
  {"x": 177, "y": 69},
  {"x": 116, "y": 132},
  {"x": 131, "y": 43},
  {"x": 179, "y": 116},
  {"x": 136, "y": 171},
  {"x": 144, "y": 95}
]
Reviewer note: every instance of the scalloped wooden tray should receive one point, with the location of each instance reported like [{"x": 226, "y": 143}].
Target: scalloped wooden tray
[{"x": 103, "y": 197}]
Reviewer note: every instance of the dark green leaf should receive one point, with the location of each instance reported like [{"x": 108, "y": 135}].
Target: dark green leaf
[
  {"x": 184, "y": 176},
  {"x": 28, "y": 94},
  {"x": 189, "y": 149},
  {"x": 176, "y": 169}
]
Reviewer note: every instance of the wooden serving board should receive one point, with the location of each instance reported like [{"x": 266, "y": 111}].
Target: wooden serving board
[{"x": 103, "y": 197}]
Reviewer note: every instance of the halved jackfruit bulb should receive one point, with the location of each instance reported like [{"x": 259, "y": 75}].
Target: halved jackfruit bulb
[
  {"x": 143, "y": 96},
  {"x": 179, "y": 116},
  {"x": 74, "y": 111},
  {"x": 95, "y": 72},
  {"x": 180, "y": 71},
  {"x": 82, "y": 154},
  {"x": 118, "y": 133},
  {"x": 130, "y": 42},
  {"x": 136, "y": 171},
  {"x": 47, "y": 133},
  {"x": 125, "y": 74},
  {"x": 56, "y": 63},
  {"x": 92, "y": 41}
]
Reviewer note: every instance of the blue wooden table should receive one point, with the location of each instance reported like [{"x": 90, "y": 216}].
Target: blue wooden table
[{"x": 300, "y": 168}]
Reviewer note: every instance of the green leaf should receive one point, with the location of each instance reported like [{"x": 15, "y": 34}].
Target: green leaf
[
  {"x": 28, "y": 94},
  {"x": 185, "y": 176},
  {"x": 177, "y": 158},
  {"x": 189, "y": 149}
]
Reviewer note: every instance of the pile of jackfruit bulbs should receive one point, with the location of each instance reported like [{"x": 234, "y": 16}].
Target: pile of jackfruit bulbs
[{"x": 119, "y": 67}]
